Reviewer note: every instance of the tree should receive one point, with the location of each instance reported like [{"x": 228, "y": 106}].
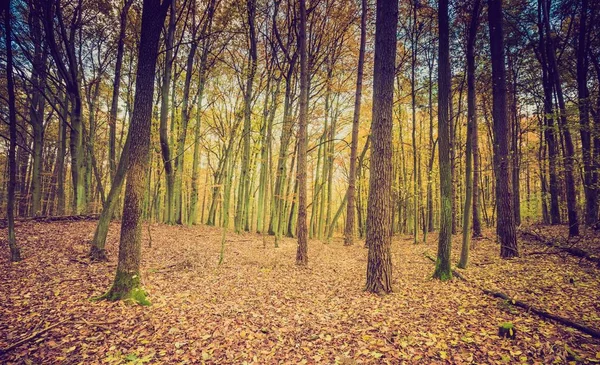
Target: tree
[
  {"x": 127, "y": 282},
  {"x": 165, "y": 146},
  {"x": 379, "y": 214},
  {"x": 471, "y": 123},
  {"x": 302, "y": 252},
  {"x": 243, "y": 200},
  {"x": 443, "y": 270},
  {"x": 114, "y": 105},
  {"x": 351, "y": 194},
  {"x": 15, "y": 252},
  {"x": 69, "y": 70},
  {"x": 569, "y": 153},
  {"x": 583, "y": 95},
  {"x": 505, "y": 227}
]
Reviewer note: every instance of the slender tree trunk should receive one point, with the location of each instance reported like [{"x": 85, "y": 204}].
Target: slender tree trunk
[
  {"x": 37, "y": 105},
  {"x": 379, "y": 209},
  {"x": 591, "y": 191},
  {"x": 165, "y": 145},
  {"x": 471, "y": 122},
  {"x": 302, "y": 251},
  {"x": 349, "y": 231},
  {"x": 114, "y": 105},
  {"x": 97, "y": 250},
  {"x": 242, "y": 206},
  {"x": 549, "y": 125},
  {"x": 185, "y": 117},
  {"x": 15, "y": 252},
  {"x": 60, "y": 159},
  {"x": 505, "y": 225},
  {"x": 413, "y": 95},
  {"x": 571, "y": 188}
]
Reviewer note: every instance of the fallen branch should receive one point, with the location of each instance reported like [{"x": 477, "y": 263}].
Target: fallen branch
[
  {"x": 47, "y": 219},
  {"x": 31, "y": 337},
  {"x": 575, "y": 251},
  {"x": 546, "y": 315},
  {"x": 46, "y": 329},
  {"x": 567, "y": 322}
]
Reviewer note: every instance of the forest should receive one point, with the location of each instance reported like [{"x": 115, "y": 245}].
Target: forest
[{"x": 300, "y": 182}]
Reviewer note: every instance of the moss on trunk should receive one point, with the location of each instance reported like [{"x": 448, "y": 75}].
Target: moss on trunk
[{"x": 126, "y": 287}]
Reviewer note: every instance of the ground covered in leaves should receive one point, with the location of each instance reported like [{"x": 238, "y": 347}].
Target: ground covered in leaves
[{"x": 258, "y": 307}]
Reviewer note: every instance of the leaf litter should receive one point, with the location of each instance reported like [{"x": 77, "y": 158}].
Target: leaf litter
[{"x": 258, "y": 307}]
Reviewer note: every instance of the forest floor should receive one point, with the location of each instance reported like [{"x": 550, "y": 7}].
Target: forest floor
[{"x": 258, "y": 307}]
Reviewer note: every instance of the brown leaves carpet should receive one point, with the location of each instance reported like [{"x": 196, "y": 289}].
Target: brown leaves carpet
[{"x": 258, "y": 307}]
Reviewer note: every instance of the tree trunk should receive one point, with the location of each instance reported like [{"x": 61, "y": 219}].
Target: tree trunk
[
  {"x": 352, "y": 175},
  {"x": 127, "y": 283},
  {"x": 302, "y": 251},
  {"x": 379, "y": 208},
  {"x": 442, "y": 266},
  {"x": 97, "y": 251},
  {"x": 242, "y": 206},
  {"x": 505, "y": 225},
  {"x": 114, "y": 105},
  {"x": 591, "y": 191},
  {"x": 165, "y": 145},
  {"x": 15, "y": 252},
  {"x": 571, "y": 188},
  {"x": 471, "y": 122},
  {"x": 185, "y": 117},
  {"x": 203, "y": 71}
]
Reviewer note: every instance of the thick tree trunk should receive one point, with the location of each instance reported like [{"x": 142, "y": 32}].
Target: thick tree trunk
[
  {"x": 442, "y": 266},
  {"x": 505, "y": 226},
  {"x": 127, "y": 279},
  {"x": 379, "y": 209}
]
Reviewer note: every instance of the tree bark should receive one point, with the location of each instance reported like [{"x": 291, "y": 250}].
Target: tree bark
[
  {"x": 471, "y": 122},
  {"x": 442, "y": 266},
  {"x": 554, "y": 75},
  {"x": 505, "y": 226},
  {"x": 583, "y": 95},
  {"x": 114, "y": 105},
  {"x": 165, "y": 145},
  {"x": 15, "y": 252},
  {"x": 352, "y": 176},
  {"x": 379, "y": 214},
  {"x": 127, "y": 283},
  {"x": 302, "y": 250}
]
